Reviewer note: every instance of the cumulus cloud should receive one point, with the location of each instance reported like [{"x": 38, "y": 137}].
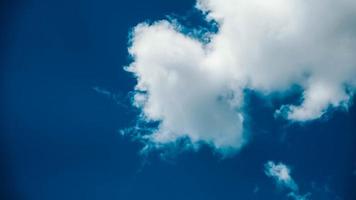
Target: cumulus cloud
[
  {"x": 175, "y": 88},
  {"x": 281, "y": 175},
  {"x": 195, "y": 89}
]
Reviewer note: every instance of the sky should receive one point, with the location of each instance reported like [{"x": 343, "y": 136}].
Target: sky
[{"x": 185, "y": 99}]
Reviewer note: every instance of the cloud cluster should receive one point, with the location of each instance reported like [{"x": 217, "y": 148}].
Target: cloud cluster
[
  {"x": 195, "y": 89},
  {"x": 281, "y": 175}
]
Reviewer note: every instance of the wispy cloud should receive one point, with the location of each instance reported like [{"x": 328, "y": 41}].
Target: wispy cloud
[
  {"x": 281, "y": 174},
  {"x": 297, "y": 196},
  {"x": 117, "y": 98}
]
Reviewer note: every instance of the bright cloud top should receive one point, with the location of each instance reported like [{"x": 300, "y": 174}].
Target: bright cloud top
[{"x": 195, "y": 89}]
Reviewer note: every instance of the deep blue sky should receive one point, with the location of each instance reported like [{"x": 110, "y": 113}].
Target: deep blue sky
[{"x": 59, "y": 137}]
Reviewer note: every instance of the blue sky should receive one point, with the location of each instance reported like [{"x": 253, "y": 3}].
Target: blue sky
[{"x": 65, "y": 96}]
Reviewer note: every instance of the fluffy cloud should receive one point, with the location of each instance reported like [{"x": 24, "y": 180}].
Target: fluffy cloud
[
  {"x": 281, "y": 175},
  {"x": 175, "y": 87},
  {"x": 195, "y": 89}
]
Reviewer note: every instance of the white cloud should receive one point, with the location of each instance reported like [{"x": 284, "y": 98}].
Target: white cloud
[
  {"x": 281, "y": 175},
  {"x": 174, "y": 87},
  {"x": 195, "y": 90}
]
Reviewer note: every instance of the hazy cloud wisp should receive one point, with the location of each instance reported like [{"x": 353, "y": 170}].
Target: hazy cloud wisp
[{"x": 281, "y": 175}]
